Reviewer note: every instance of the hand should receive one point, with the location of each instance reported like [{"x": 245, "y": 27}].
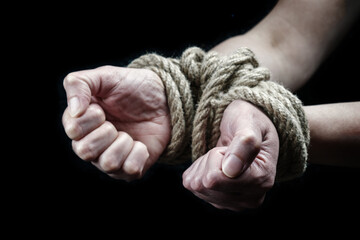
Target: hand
[
  {"x": 238, "y": 172},
  {"x": 118, "y": 119}
]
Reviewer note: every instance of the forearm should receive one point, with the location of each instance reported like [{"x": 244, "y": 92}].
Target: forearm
[
  {"x": 295, "y": 37},
  {"x": 335, "y": 134}
]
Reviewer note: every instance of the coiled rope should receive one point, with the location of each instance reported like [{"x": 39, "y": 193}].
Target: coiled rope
[{"x": 199, "y": 86}]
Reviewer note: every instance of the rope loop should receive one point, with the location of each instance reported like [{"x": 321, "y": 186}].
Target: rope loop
[{"x": 199, "y": 86}]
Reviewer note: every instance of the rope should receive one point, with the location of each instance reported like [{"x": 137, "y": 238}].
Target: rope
[{"x": 199, "y": 86}]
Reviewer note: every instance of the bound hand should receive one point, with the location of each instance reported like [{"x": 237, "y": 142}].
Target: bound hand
[
  {"x": 118, "y": 119},
  {"x": 241, "y": 169}
]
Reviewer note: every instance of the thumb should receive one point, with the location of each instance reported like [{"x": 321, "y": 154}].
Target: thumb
[
  {"x": 241, "y": 152},
  {"x": 78, "y": 93}
]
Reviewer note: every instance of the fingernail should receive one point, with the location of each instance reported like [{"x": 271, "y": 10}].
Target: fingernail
[
  {"x": 74, "y": 105},
  {"x": 232, "y": 166}
]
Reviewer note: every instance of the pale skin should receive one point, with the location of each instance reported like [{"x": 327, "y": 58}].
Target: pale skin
[{"x": 119, "y": 120}]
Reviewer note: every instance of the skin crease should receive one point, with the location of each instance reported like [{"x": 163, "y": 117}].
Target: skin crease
[
  {"x": 125, "y": 142},
  {"x": 141, "y": 129},
  {"x": 248, "y": 139},
  {"x": 292, "y": 41},
  {"x": 119, "y": 120}
]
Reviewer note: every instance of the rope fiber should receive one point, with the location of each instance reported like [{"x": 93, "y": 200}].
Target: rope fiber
[{"x": 199, "y": 86}]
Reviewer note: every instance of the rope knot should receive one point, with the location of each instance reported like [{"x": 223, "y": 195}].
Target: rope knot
[
  {"x": 199, "y": 86},
  {"x": 180, "y": 103},
  {"x": 219, "y": 76}
]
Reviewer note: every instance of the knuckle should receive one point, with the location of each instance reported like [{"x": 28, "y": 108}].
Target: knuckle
[
  {"x": 125, "y": 137},
  {"x": 107, "y": 126},
  {"x": 250, "y": 139},
  {"x": 216, "y": 152},
  {"x": 196, "y": 184},
  {"x": 109, "y": 129},
  {"x": 70, "y": 79},
  {"x": 97, "y": 112},
  {"x": 134, "y": 167},
  {"x": 73, "y": 130},
  {"x": 186, "y": 177},
  {"x": 142, "y": 148},
  {"x": 210, "y": 181},
  {"x": 84, "y": 151},
  {"x": 109, "y": 164},
  {"x": 133, "y": 170},
  {"x": 186, "y": 182}
]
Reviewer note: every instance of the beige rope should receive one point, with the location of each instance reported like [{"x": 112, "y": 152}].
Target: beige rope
[
  {"x": 213, "y": 82},
  {"x": 179, "y": 100}
]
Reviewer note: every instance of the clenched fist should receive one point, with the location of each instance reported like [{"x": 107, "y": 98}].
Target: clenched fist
[
  {"x": 238, "y": 172},
  {"x": 118, "y": 119}
]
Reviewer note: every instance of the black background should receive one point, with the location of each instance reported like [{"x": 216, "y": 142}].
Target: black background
[{"x": 65, "y": 193}]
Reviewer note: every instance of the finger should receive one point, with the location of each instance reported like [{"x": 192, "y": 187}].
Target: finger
[
  {"x": 136, "y": 163},
  {"x": 213, "y": 175},
  {"x": 76, "y": 128},
  {"x": 112, "y": 159},
  {"x": 92, "y": 145},
  {"x": 205, "y": 172},
  {"x": 190, "y": 174},
  {"x": 241, "y": 152},
  {"x": 79, "y": 87},
  {"x": 256, "y": 179},
  {"x": 198, "y": 173}
]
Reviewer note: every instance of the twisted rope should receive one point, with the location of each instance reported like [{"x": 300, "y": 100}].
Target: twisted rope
[
  {"x": 179, "y": 101},
  {"x": 213, "y": 82}
]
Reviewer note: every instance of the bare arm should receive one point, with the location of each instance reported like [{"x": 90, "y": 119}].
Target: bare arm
[
  {"x": 296, "y": 36},
  {"x": 335, "y": 133},
  {"x": 292, "y": 41}
]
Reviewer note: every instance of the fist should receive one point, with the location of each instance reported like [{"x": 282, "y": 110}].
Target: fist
[
  {"x": 117, "y": 118},
  {"x": 242, "y": 168}
]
